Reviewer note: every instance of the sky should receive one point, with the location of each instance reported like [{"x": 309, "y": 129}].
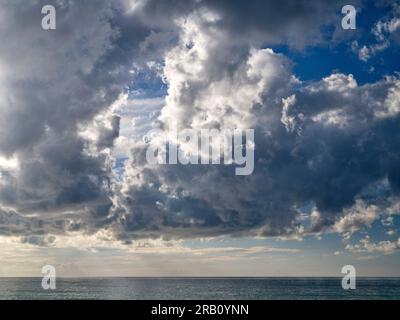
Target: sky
[{"x": 77, "y": 104}]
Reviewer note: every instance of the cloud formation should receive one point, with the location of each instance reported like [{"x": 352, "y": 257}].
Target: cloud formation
[
  {"x": 386, "y": 31},
  {"x": 56, "y": 90},
  {"x": 325, "y": 143}
]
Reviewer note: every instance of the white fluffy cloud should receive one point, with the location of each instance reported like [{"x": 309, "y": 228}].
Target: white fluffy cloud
[{"x": 365, "y": 245}]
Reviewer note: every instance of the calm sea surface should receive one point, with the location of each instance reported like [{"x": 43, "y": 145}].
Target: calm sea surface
[{"x": 200, "y": 288}]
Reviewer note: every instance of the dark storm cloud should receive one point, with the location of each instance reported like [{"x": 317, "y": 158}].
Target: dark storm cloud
[
  {"x": 15, "y": 224},
  {"x": 54, "y": 83},
  {"x": 293, "y": 22}
]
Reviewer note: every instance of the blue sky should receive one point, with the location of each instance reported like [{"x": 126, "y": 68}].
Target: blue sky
[{"x": 313, "y": 63}]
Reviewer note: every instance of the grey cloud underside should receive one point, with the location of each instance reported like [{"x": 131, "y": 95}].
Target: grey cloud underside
[
  {"x": 331, "y": 141},
  {"x": 53, "y": 85},
  {"x": 318, "y": 162},
  {"x": 294, "y": 22}
]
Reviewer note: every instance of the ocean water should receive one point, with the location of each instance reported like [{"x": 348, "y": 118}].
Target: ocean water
[{"x": 199, "y": 288}]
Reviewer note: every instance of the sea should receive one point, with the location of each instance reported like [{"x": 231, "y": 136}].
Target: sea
[{"x": 199, "y": 289}]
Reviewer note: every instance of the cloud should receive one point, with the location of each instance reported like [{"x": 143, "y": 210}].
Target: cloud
[
  {"x": 323, "y": 142},
  {"x": 64, "y": 110},
  {"x": 386, "y": 31},
  {"x": 367, "y": 52},
  {"x": 365, "y": 245},
  {"x": 357, "y": 217},
  {"x": 57, "y": 90},
  {"x": 363, "y": 215},
  {"x": 295, "y": 23}
]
